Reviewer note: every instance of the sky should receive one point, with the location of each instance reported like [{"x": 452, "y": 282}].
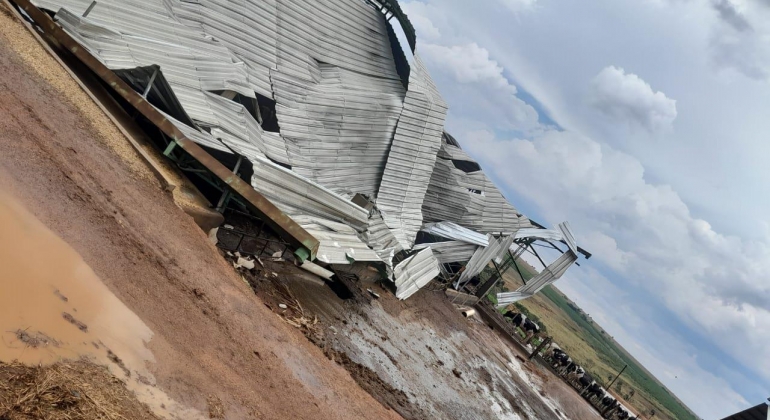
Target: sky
[{"x": 644, "y": 124}]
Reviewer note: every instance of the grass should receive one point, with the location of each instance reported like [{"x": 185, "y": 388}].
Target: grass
[{"x": 597, "y": 351}]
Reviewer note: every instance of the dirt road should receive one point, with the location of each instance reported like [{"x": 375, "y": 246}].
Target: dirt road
[{"x": 68, "y": 165}]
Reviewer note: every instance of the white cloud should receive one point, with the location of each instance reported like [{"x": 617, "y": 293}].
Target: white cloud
[
  {"x": 468, "y": 63},
  {"x": 716, "y": 283},
  {"x": 606, "y": 249},
  {"x": 739, "y": 40},
  {"x": 629, "y": 99},
  {"x": 423, "y": 26},
  {"x": 481, "y": 90}
]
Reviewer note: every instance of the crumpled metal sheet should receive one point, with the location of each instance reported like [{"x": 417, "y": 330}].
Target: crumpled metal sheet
[
  {"x": 296, "y": 195},
  {"x": 338, "y": 127},
  {"x": 481, "y": 258},
  {"x": 122, "y": 35},
  {"x": 550, "y": 274},
  {"x": 468, "y": 199},
  {"x": 339, "y": 243},
  {"x": 415, "y": 272},
  {"x": 450, "y": 251},
  {"x": 454, "y": 231},
  {"x": 412, "y": 156}
]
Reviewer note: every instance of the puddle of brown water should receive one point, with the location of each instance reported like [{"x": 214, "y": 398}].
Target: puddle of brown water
[{"x": 54, "y": 307}]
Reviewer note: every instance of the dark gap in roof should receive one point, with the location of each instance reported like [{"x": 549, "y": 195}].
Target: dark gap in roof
[
  {"x": 267, "y": 112},
  {"x": 279, "y": 163},
  {"x": 399, "y": 58},
  {"x": 466, "y": 166},
  {"x": 449, "y": 139},
  {"x": 249, "y": 103},
  {"x": 428, "y": 238},
  {"x": 160, "y": 95}
]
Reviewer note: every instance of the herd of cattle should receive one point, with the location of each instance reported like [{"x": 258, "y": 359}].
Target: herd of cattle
[{"x": 576, "y": 376}]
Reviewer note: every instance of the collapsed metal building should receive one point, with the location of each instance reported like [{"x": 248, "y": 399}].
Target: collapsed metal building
[{"x": 310, "y": 116}]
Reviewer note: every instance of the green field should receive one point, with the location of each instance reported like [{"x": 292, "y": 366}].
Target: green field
[{"x": 592, "y": 347}]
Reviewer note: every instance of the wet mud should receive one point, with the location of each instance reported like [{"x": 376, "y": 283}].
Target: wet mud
[
  {"x": 419, "y": 357},
  {"x": 53, "y": 308}
]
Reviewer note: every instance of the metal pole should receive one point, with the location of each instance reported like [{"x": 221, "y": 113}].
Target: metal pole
[
  {"x": 149, "y": 84},
  {"x": 221, "y": 204},
  {"x": 616, "y": 378},
  {"x": 543, "y": 343},
  {"x": 90, "y": 7}
]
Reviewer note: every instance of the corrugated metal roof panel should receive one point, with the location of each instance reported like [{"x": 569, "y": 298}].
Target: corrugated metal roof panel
[
  {"x": 412, "y": 156},
  {"x": 339, "y": 126},
  {"x": 550, "y": 274},
  {"x": 454, "y": 231},
  {"x": 415, "y": 272},
  {"x": 450, "y": 251},
  {"x": 190, "y": 62},
  {"x": 296, "y": 195},
  {"x": 339, "y": 243},
  {"x": 481, "y": 258},
  {"x": 469, "y": 199}
]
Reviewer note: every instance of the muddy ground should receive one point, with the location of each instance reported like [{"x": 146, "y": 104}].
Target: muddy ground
[{"x": 420, "y": 357}]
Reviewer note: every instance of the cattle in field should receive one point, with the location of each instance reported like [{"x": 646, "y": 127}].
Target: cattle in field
[
  {"x": 530, "y": 327},
  {"x": 584, "y": 381},
  {"x": 574, "y": 373},
  {"x": 594, "y": 391},
  {"x": 608, "y": 406},
  {"x": 553, "y": 353},
  {"x": 561, "y": 361},
  {"x": 517, "y": 319}
]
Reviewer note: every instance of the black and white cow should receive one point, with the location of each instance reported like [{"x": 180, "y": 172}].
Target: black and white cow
[
  {"x": 609, "y": 405},
  {"x": 553, "y": 353},
  {"x": 530, "y": 326},
  {"x": 561, "y": 362},
  {"x": 516, "y": 319},
  {"x": 570, "y": 370},
  {"x": 584, "y": 380},
  {"x": 594, "y": 391},
  {"x": 575, "y": 374},
  {"x": 622, "y": 414}
]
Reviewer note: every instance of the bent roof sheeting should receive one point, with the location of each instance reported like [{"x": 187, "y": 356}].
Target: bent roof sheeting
[
  {"x": 469, "y": 199},
  {"x": 338, "y": 128},
  {"x": 412, "y": 156},
  {"x": 550, "y": 274},
  {"x": 339, "y": 102},
  {"x": 415, "y": 272}
]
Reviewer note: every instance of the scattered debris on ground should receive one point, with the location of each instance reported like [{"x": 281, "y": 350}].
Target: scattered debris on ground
[
  {"x": 35, "y": 339},
  {"x": 71, "y": 319}
]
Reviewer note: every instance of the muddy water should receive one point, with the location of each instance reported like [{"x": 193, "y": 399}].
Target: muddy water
[{"x": 54, "y": 307}]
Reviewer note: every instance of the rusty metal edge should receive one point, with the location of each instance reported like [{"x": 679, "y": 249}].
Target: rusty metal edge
[{"x": 281, "y": 223}]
